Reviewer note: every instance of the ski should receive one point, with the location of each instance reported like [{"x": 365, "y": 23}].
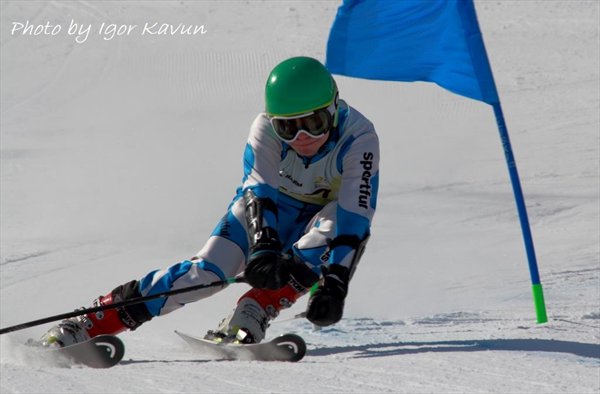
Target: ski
[
  {"x": 102, "y": 351},
  {"x": 287, "y": 347}
]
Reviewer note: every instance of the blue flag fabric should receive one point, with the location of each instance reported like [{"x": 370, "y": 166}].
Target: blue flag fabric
[{"x": 412, "y": 40}]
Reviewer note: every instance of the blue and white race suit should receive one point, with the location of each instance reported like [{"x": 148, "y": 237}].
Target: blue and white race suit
[{"x": 319, "y": 198}]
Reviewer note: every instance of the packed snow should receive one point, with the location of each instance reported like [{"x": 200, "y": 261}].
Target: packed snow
[{"x": 120, "y": 152}]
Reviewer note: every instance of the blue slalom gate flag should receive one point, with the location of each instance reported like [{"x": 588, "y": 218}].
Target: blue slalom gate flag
[
  {"x": 412, "y": 40},
  {"x": 427, "y": 40}
]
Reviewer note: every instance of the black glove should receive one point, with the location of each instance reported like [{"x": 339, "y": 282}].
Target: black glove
[
  {"x": 326, "y": 305},
  {"x": 267, "y": 267}
]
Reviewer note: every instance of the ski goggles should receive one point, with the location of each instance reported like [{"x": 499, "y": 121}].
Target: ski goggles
[{"x": 314, "y": 124}]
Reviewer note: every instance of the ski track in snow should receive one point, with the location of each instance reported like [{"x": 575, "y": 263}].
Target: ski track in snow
[{"x": 119, "y": 156}]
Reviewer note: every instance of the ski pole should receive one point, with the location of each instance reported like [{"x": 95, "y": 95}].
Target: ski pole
[
  {"x": 301, "y": 315},
  {"x": 132, "y": 301}
]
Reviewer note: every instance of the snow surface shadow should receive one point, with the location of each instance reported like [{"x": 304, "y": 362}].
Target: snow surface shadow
[
  {"x": 530, "y": 345},
  {"x": 131, "y": 361}
]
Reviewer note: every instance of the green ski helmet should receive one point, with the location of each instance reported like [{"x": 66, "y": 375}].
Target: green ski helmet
[{"x": 299, "y": 85}]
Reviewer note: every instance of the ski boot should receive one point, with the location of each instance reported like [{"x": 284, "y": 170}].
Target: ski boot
[
  {"x": 108, "y": 322},
  {"x": 250, "y": 319},
  {"x": 246, "y": 324},
  {"x": 66, "y": 333}
]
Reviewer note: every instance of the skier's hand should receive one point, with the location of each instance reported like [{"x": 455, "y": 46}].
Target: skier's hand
[
  {"x": 267, "y": 269},
  {"x": 273, "y": 270},
  {"x": 326, "y": 305}
]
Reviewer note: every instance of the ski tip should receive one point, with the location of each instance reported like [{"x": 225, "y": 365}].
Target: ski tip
[
  {"x": 102, "y": 351},
  {"x": 294, "y": 345}
]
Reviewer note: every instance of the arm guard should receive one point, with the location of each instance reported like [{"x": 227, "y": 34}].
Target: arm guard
[{"x": 262, "y": 236}]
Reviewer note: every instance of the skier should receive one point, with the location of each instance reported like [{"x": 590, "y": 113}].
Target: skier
[{"x": 302, "y": 214}]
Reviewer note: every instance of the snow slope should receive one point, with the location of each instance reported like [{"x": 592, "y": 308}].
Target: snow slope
[{"x": 119, "y": 156}]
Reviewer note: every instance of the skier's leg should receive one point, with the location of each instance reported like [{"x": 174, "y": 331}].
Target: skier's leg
[
  {"x": 110, "y": 321},
  {"x": 346, "y": 239},
  {"x": 249, "y": 320},
  {"x": 218, "y": 260},
  {"x": 323, "y": 236},
  {"x": 222, "y": 257}
]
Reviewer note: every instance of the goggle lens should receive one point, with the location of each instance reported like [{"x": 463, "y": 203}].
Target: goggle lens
[{"x": 316, "y": 124}]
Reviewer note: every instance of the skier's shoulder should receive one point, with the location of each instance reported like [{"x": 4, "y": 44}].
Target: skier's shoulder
[
  {"x": 261, "y": 129},
  {"x": 352, "y": 122},
  {"x": 354, "y": 125},
  {"x": 261, "y": 123}
]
